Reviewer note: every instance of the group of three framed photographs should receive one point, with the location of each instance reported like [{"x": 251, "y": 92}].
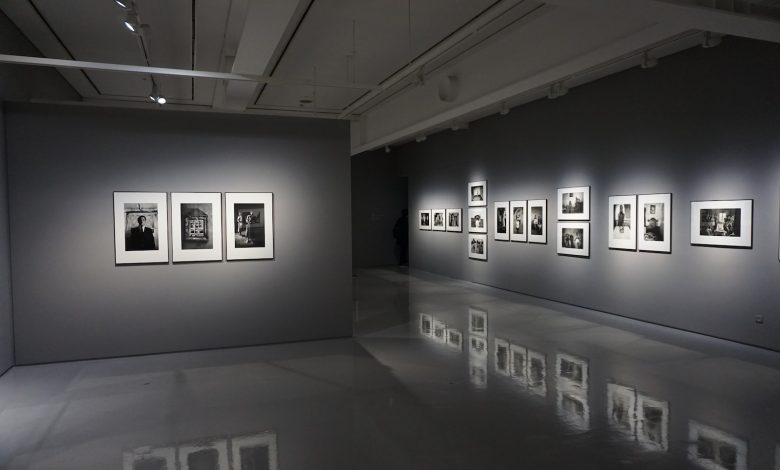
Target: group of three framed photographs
[
  {"x": 440, "y": 220},
  {"x": 521, "y": 221},
  {"x": 477, "y": 220},
  {"x": 141, "y": 227}
]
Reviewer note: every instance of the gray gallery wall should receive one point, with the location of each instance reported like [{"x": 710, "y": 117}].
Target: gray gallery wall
[
  {"x": 702, "y": 125},
  {"x": 6, "y": 314},
  {"x": 71, "y": 301}
]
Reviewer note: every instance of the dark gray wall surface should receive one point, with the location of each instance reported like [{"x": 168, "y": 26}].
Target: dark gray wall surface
[
  {"x": 6, "y": 314},
  {"x": 21, "y": 82},
  {"x": 702, "y": 125},
  {"x": 71, "y": 301},
  {"x": 378, "y": 196}
]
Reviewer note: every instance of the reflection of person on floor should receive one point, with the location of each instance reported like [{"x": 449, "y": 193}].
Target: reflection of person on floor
[
  {"x": 141, "y": 237},
  {"x": 401, "y": 235}
]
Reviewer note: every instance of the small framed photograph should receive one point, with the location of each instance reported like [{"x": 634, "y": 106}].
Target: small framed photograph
[
  {"x": 478, "y": 322},
  {"x": 455, "y": 339},
  {"x": 140, "y": 228},
  {"x": 437, "y": 215},
  {"x": 196, "y": 228},
  {"x": 574, "y": 203},
  {"x": 622, "y": 222},
  {"x": 250, "y": 222},
  {"x": 722, "y": 223},
  {"x": 454, "y": 220},
  {"x": 655, "y": 230},
  {"x": 501, "y": 212},
  {"x": 518, "y": 221},
  {"x": 424, "y": 219},
  {"x": 478, "y": 246},
  {"x": 478, "y": 219},
  {"x": 574, "y": 239},
  {"x": 537, "y": 221},
  {"x": 478, "y": 193}
]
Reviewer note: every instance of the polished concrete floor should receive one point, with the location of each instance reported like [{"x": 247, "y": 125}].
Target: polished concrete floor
[{"x": 442, "y": 374}]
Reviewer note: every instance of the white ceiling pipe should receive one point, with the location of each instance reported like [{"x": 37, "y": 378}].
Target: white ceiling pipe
[{"x": 414, "y": 67}]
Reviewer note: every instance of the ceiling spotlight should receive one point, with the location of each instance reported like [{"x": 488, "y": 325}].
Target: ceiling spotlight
[
  {"x": 155, "y": 95},
  {"x": 123, "y": 3},
  {"x": 131, "y": 22},
  {"x": 421, "y": 139},
  {"x": 557, "y": 90},
  {"x": 161, "y": 100},
  {"x": 504, "y": 109},
  {"x": 711, "y": 40},
  {"x": 648, "y": 61},
  {"x": 387, "y": 149}
]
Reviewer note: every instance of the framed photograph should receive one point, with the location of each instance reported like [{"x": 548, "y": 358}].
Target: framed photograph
[
  {"x": 140, "y": 228},
  {"x": 622, "y": 222},
  {"x": 655, "y": 230},
  {"x": 455, "y": 339},
  {"x": 437, "y": 215},
  {"x": 574, "y": 239},
  {"x": 255, "y": 451},
  {"x": 722, "y": 223},
  {"x": 518, "y": 363},
  {"x": 478, "y": 193},
  {"x": 537, "y": 220},
  {"x": 501, "y": 212},
  {"x": 478, "y": 246},
  {"x": 196, "y": 228},
  {"x": 501, "y": 356},
  {"x": 574, "y": 203},
  {"x": 454, "y": 220},
  {"x": 714, "y": 449},
  {"x": 518, "y": 221},
  {"x": 249, "y": 220},
  {"x": 478, "y": 322},
  {"x": 478, "y": 219},
  {"x": 424, "y": 219},
  {"x": 571, "y": 371}
]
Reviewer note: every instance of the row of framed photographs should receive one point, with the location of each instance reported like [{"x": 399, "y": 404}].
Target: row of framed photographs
[
  {"x": 141, "y": 227},
  {"x": 440, "y": 220}
]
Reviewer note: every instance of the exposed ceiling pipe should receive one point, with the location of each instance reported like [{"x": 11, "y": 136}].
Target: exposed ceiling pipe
[
  {"x": 490, "y": 15},
  {"x": 77, "y": 64}
]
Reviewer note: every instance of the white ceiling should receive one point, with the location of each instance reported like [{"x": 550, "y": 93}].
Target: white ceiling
[{"x": 379, "y": 63}]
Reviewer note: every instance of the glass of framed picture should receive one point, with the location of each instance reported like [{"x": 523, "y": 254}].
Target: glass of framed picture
[
  {"x": 140, "y": 227},
  {"x": 655, "y": 223},
  {"x": 454, "y": 220},
  {"x": 518, "y": 221},
  {"x": 622, "y": 222},
  {"x": 722, "y": 223},
  {"x": 424, "y": 219},
  {"x": 437, "y": 218},
  {"x": 501, "y": 214},
  {"x": 478, "y": 193},
  {"x": 478, "y": 246},
  {"x": 537, "y": 221},
  {"x": 249, "y": 225},
  {"x": 477, "y": 219},
  {"x": 574, "y": 203},
  {"x": 574, "y": 239},
  {"x": 196, "y": 229}
]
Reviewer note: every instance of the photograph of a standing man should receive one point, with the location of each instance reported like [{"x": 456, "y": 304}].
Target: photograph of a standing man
[{"x": 141, "y": 237}]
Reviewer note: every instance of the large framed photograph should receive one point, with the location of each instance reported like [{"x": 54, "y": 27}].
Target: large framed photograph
[
  {"x": 501, "y": 212},
  {"x": 518, "y": 221},
  {"x": 424, "y": 219},
  {"x": 655, "y": 230},
  {"x": 574, "y": 203},
  {"x": 622, "y": 222},
  {"x": 478, "y": 193},
  {"x": 140, "y": 228},
  {"x": 250, "y": 220},
  {"x": 722, "y": 223},
  {"x": 454, "y": 220},
  {"x": 537, "y": 221},
  {"x": 196, "y": 228},
  {"x": 437, "y": 216},
  {"x": 478, "y": 246},
  {"x": 478, "y": 219},
  {"x": 574, "y": 239}
]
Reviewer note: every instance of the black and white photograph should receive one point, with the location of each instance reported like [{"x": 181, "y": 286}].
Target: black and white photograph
[
  {"x": 196, "y": 228},
  {"x": 424, "y": 221},
  {"x": 655, "y": 226},
  {"x": 574, "y": 239},
  {"x": 722, "y": 223},
  {"x": 571, "y": 371},
  {"x": 438, "y": 220},
  {"x": 501, "y": 214},
  {"x": 478, "y": 220},
  {"x": 477, "y": 193},
  {"x": 652, "y": 423},
  {"x": 574, "y": 203},
  {"x": 537, "y": 221},
  {"x": 501, "y": 356},
  {"x": 454, "y": 220},
  {"x": 621, "y": 409},
  {"x": 478, "y": 322},
  {"x": 455, "y": 339},
  {"x": 518, "y": 221},
  {"x": 249, "y": 225},
  {"x": 622, "y": 222},
  {"x": 478, "y": 246},
  {"x": 715, "y": 449},
  {"x": 140, "y": 228}
]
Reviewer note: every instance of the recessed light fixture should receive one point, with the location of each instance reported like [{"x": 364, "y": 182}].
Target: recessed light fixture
[{"x": 123, "y": 3}]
